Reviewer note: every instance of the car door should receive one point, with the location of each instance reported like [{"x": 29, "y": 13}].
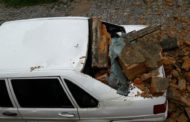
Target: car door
[
  {"x": 8, "y": 110},
  {"x": 43, "y": 99},
  {"x": 88, "y": 106}
]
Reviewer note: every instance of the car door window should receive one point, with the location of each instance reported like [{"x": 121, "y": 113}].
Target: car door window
[
  {"x": 83, "y": 99},
  {"x": 40, "y": 93},
  {"x": 4, "y": 97}
]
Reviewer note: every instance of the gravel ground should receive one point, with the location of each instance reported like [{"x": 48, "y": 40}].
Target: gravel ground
[
  {"x": 117, "y": 11},
  {"x": 174, "y": 15}
]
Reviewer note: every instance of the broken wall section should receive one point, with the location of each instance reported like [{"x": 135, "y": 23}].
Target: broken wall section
[
  {"x": 141, "y": 57},
  {"x": 120, "y": 59}
]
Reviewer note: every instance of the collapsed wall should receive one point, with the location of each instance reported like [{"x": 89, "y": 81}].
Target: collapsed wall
[
  {"x": 126, "y": 59},
  {"x": 139, "y": 63}
]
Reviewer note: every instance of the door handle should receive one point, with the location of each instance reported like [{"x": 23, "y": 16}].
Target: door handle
[
  {"x": 67, "y": 115},
  {"x": 7, "y": 113}
]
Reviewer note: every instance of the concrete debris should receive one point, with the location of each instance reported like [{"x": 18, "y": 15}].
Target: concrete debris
[
  {"x": 187, "y": 76},
  {"x": 168, "y": 60},
  {"x": 137, "y": 81},
  {"x": 186, "y": 100},
  {"x": 100, "y": 44},
  {"x": 182, "y": 84},
  {"x": 188, "y": 87},
  {"x": 172, "y": 107},
  {"x": 187, "y": 109},
  {"x": 187, "y": 43},
  {"x": 134, "y": 35},
  {"x": 134, "y": 57},
  {"x": 132, "y": 71},
  {"x": 174, "y": 94},
  {"x": 102, "y": 76},
  {"x": 175, "y": 73},
  {"x": 170, "y": 120},
  {"x": 177, "y": 65},
  {"x": 186, "y": 64},
  {"x": 140, "y": 57},
  {"x": 148, "y": 76},
  {"x": 134, "y": 53},
  {"x": 174, "y": 115},
  {"x": 141, "y": 47},
  {"x": 182, "y": 118},
  {"x": 169, "y": 43},
  {"x": 158, "y": 85},
  {"x": 152, "y": 53}
]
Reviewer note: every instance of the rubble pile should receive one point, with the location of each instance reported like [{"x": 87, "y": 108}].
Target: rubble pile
[
  {"x": 140, "y": 61},
  {"x": 125, "y": 59},
  {"x": 177, "y": 67},
  {"x": 137, "y": 57}
]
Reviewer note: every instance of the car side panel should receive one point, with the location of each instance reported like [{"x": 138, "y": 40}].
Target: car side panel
[
  {"x": 45, "y": 114},
  {"x": 7, "y": 118}
]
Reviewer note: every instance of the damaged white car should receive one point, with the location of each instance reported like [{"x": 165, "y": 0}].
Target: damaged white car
[{"x": 46, "y": 75}]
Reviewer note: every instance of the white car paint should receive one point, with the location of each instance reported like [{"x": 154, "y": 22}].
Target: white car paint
[
  {"x": 111, "y": 105},
  {"x": 129, "y": 28},
  {"x": 26, "y": 47},
  {"x": 59, "y": 43}
]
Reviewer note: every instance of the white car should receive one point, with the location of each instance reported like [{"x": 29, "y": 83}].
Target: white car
[{"x": 42, "y": 79}]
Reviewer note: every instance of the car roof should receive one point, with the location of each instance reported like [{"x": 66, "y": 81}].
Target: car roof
[{"x": 46, "y": 43}]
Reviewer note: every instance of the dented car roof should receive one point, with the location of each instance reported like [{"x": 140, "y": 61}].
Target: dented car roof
[{"x": 46, "y": 43}]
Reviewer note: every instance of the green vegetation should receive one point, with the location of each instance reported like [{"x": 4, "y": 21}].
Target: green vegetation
[{"x": 20, "y": 3}]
